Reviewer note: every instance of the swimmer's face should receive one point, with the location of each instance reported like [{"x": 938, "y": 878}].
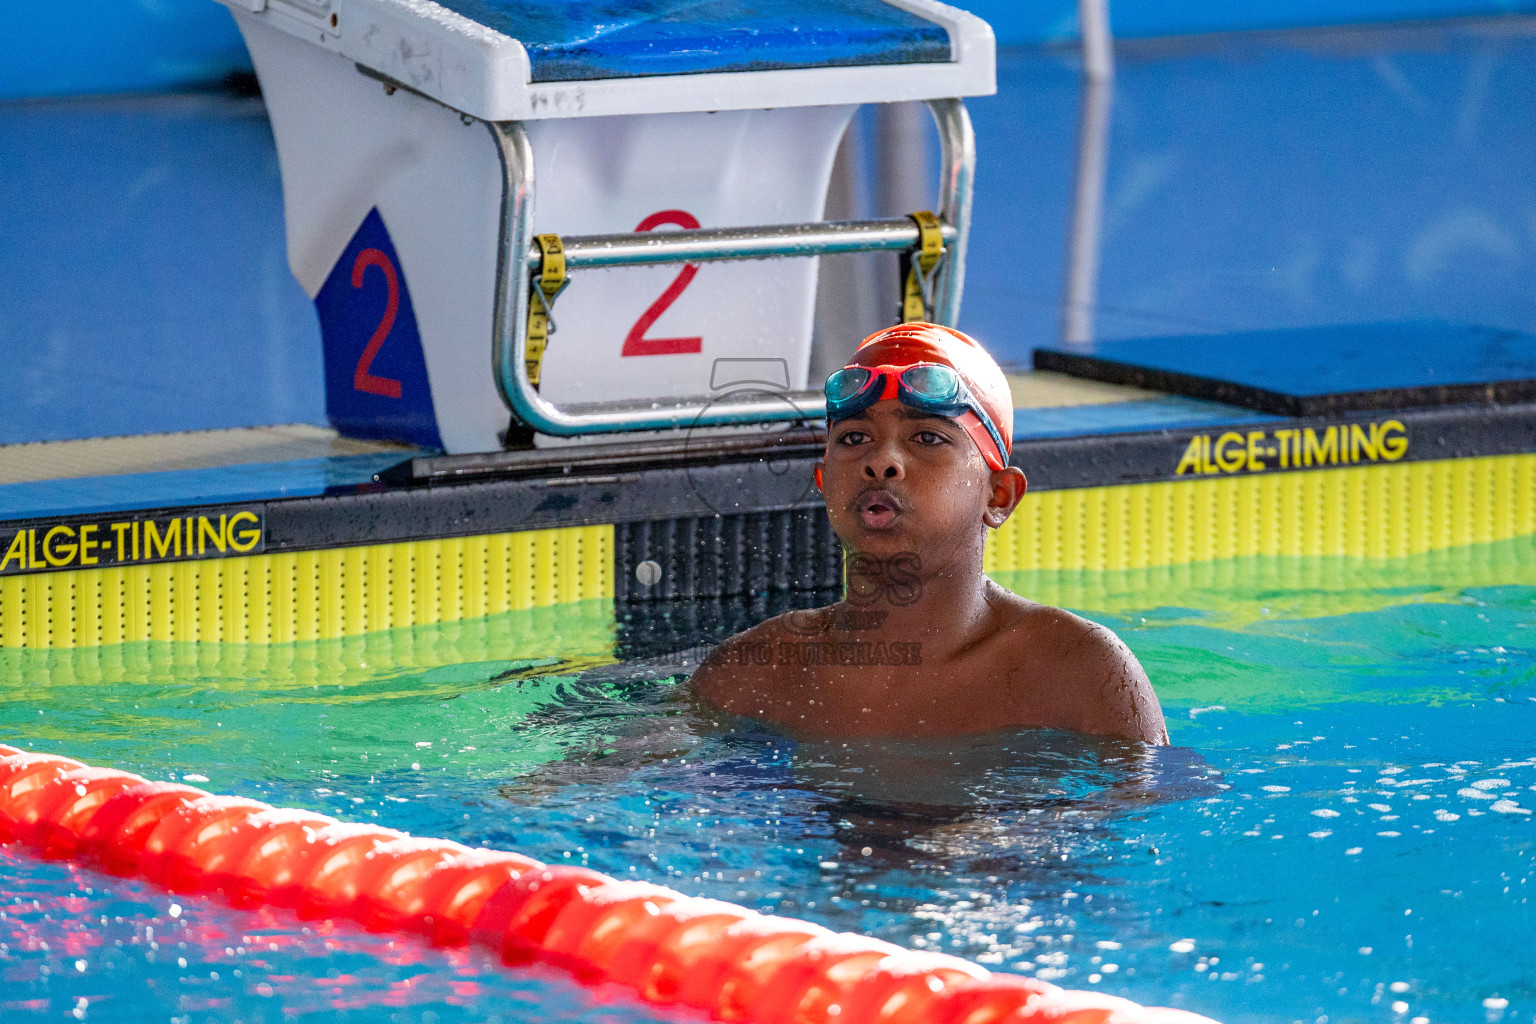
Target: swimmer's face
[{"x": 897, "y": 480}]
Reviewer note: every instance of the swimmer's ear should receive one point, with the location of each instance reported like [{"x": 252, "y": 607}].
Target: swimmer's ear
[
  {"x": 818, "y": 475},
  {"x": 1008, "y": 487}
]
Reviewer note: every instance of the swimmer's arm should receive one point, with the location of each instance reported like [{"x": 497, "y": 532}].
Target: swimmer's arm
[
  {"x": 746, "y": 677},
  {"x": 1120, "y": 700},
  {"x": 1070, "y": 673},
  {"x": 711, "y": 682},
  {"x": 729, "y": 680}
]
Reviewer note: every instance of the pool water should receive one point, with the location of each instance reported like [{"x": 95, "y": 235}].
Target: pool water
[{"x": 1343, "y": 831}]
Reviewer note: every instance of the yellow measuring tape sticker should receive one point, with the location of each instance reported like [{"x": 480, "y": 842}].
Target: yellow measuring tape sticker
[
  {"x": 541, "y": 299},
  {"x": 919, "y": 266}
]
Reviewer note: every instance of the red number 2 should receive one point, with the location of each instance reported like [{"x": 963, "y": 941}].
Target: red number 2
[
  {"x": 635, "y": 342},
  {"x": 362, "y": 380}
]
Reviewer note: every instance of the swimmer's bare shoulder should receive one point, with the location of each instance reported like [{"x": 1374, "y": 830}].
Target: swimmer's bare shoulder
[
  {"x": 737, "y": 681},
  {"x": 1067, "y": 672}
]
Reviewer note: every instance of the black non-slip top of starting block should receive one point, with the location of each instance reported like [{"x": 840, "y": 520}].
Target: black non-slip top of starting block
[{"x": 1319, "y": 371}]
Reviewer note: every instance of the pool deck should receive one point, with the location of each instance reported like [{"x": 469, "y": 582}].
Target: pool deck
[
  {"x": 319, "y": 490},
  {"x": 91, "y": 476}
]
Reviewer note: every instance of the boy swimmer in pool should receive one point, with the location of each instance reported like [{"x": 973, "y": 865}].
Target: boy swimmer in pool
[{"x": 915, "y": 473}]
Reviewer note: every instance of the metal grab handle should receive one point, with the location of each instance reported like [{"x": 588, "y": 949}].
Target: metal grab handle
[
  {"x": 823, "y": 238},
  {"x": 516, "y": 262}
]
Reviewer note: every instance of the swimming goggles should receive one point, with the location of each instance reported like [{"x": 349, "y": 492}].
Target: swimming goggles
[{"x": 928, "y": 387}]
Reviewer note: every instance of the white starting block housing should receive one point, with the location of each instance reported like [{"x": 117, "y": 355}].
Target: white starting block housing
[{"x": 409, "y": 132}]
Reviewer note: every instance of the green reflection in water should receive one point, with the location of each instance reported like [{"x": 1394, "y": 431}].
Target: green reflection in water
[
  {"x": 1266, "y": 634},
  {"x": 379, "y": 702}
]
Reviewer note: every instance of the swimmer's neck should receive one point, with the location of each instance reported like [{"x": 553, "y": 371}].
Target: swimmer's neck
[{"x": 947, "y": 608}]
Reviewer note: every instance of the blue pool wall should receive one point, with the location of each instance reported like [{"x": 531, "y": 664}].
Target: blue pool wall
[
  {"x": 144, "y": 281},
  {"x": 1322, "y": 178},
  {"x": 1254, "y": 181},
  {"x": 89, "y": 47}
]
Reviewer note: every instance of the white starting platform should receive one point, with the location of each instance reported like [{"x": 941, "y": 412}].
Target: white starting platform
[{"x": 678, "y": 147}]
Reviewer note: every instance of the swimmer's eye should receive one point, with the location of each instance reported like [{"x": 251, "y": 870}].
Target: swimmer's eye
[
  {"x": 930, "y": 437},
  {"x": 852, "y": 437}
]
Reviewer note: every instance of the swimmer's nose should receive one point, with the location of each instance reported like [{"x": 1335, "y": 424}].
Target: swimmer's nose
[{"x": 884, "y": 464}]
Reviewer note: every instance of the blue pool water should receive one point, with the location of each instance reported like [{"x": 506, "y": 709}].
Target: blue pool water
[{"x": 1342, "y": 832}]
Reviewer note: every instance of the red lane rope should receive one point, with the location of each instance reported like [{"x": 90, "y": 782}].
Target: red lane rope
[{"x": 725, "y": 960}]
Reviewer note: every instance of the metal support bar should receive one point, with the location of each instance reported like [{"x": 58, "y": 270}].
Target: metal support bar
[
  {"x": 1080, "y": 301},
  {"x": 517, "y": 260},
  {"x": 957, "y": 176},
  {"x": 590, "y": 252},
  {"x": 1098, "y": 39}
]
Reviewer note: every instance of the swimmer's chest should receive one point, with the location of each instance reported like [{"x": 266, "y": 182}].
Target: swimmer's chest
[{"x": 964, "y": 695}]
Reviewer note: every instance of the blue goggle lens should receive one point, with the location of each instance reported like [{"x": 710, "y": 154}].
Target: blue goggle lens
[
  {"x": 932, "y": 383},
  {"x": 846, "y": 384}
]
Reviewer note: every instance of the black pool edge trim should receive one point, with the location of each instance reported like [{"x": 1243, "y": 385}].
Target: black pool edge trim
[{"x": 687, "y": 449}]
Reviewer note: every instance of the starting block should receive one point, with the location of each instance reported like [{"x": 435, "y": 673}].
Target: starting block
[{"x": 678, "y": 147}]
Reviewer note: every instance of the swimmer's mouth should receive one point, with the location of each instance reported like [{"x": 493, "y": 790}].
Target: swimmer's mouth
[{"x": 877, "y": 510}]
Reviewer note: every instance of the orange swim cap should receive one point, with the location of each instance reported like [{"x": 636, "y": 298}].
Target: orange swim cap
[{"x": 919, "y": 342}]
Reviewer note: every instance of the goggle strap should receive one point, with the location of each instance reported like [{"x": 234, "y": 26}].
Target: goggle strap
[{"x": 985, "y": 442}]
